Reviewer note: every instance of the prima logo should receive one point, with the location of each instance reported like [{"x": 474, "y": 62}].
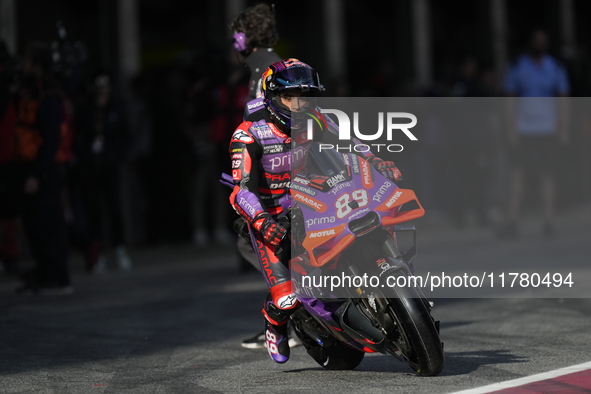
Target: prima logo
[
  {"x": 247, "y": 207},
  {"x": 280, "y": 161},
  {"x": 324, "y": 233},
  {"x": 322, "y": 220},
  {"x": 339, "y": 187},
  {"x": 381, "y": 191}
]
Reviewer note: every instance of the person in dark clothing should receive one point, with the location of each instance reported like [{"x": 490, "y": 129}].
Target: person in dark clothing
[
  {"x": 101, "y": 147},
  {"x": 9, "y": 249},
  {"x": 40, "y": 153},
  {"x": 254, "y": 38}
]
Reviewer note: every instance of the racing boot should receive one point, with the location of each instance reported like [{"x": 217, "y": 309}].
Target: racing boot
[{"x": 276, "y": 340}]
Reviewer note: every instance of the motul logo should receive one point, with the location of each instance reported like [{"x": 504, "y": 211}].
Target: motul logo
[
  {"x": 324, "y": 233},
  {"x": 393, "y": 199}
]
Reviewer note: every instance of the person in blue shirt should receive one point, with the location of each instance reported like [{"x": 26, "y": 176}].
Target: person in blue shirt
[{"x": 537, "y": 125}]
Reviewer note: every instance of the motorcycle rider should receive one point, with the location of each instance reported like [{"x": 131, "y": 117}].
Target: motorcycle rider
[{"x": 260, "y": 150}]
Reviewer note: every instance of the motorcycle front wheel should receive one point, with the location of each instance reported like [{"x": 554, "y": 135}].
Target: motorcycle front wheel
[{"x": 414, "y": 332}]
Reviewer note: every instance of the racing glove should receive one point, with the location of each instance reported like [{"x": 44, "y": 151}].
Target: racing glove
[
  {"x": 386, "y": 168},
  {"x": 272, "y": 232}
]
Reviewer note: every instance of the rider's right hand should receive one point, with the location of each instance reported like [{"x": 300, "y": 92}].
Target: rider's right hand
[{"x": 272, "y": 232}]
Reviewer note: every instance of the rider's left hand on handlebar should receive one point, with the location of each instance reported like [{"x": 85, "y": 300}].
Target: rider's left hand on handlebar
[
  {"x": 387, "y": 169},
  {"x": 271, "y": 231}
]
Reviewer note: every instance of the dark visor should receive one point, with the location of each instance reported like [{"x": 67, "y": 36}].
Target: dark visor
[{"x": 298, "y": 77}]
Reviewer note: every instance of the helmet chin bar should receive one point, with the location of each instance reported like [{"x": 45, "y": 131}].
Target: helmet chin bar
[
  {"x": 285, "y": 119},
  {"x": 278, "y": 121}
]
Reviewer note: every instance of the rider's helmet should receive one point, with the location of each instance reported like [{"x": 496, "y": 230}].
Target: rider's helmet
[{"x": 284, "y": 78}]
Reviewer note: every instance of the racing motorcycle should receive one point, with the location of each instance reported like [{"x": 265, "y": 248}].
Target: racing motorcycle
[{"x": 344, "y": 217}]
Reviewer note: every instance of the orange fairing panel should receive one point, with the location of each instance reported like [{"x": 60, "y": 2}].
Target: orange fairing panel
[
  {"x": 316, "y": 238},
  {"x": 396, "y": 199}
]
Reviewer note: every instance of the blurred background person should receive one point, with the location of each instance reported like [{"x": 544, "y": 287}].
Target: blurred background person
[
  {"x": 537, "y": 127},
  {"x": 101, "y": 147},
  {"x": 41, "y": 147},
  {"x": 471, "y": 158},
  {"x": 9, "y": 248},
  {"x": 254, "y": 37},
  {"x": 211, "y": 136}
]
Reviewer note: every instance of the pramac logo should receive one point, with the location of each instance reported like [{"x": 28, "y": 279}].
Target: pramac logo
[
  {"x": 309, "y": 201},
  {"x": 366, "y": 174}
]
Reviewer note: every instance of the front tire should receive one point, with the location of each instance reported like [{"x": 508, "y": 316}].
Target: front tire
[{"x": 418, "y": 337}]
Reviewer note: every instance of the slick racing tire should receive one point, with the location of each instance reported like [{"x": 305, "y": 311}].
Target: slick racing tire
[
  {"x": 341, "y": 357},
  {"x": 418, "y": 339}
]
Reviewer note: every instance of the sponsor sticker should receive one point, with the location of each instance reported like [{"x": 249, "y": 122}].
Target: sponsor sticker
[
  {"x": 366, "y": 174},
  {"x": 247, "y": 207},
  {"x": 358, "y": 213},
  {"x": 393, "y": 199},
  {"x": 301, "y": 180},
  {"x": 280, "y": 161},
  {"x": 309, "y": 201},
  {"x": 242, "y": 136},
  {"x": 302, "y": 189},
  {"x": 277, "y": 148},
  {"x": 346, "y": 159},
  {"x": 287, "y": 301},
  {"x": 381, "y": 191},
  {"x": 255, "y": 105},
  {"x": 355, "y": 164},
  {"x": 335, "y": 179},
  {"x": 264, "y": 132},
  {"x": 322, "y": 220},
  {"x": 324, "y": 233},
  {"x": 339, "y": 187}
]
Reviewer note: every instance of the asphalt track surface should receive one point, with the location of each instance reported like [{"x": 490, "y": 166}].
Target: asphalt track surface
[{"x": 174, "y": 325}]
